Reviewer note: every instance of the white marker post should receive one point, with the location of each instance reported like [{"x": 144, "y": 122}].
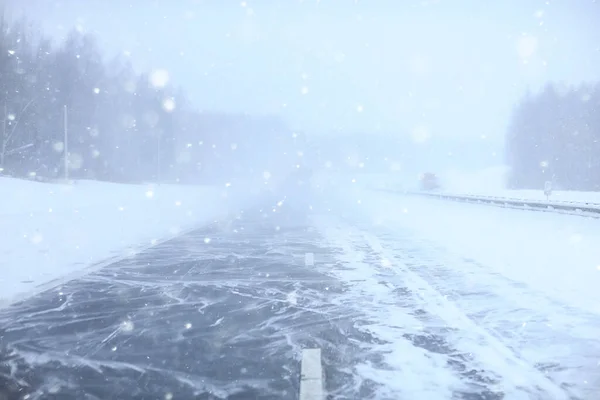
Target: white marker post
[
  {"x": 548, "y": 189},
  {"x": 311, "y": 378},
  {"x": 66, "y": 146}
]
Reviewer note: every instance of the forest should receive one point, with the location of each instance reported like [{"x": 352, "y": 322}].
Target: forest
[
  {"x": 65, "y": 111},
  {"x": 554, "y": 136},
  {"x": 113, "y": 123}
]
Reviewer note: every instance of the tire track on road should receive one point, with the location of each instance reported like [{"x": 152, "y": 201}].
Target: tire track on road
[{"x": 458, "y": 358}]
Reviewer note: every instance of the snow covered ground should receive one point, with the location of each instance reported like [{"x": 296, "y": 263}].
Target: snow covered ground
[
  {"x": 509, "y": 295},
  {"x": 487, "y": 182},
  {"x": 49, "y": 231},
  {"x": 492, "y": 182}
]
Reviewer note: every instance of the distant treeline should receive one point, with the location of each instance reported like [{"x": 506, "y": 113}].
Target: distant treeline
[
  {"x": 122, "y": 126},
  {"x": 555, "y": 136}
]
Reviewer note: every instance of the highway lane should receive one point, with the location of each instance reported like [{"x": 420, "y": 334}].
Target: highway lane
[{"x": 222, "y": 312}]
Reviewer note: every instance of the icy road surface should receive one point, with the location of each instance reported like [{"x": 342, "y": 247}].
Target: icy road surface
[{"x": 223, "y": 313}]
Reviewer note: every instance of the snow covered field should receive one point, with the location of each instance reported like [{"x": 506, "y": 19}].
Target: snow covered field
[
  {"x": 492, "y": 182},
  {"x": 49, "y": 231},
  {"x": 511, "y": 294},
  {"x": 488, "y": 182}
]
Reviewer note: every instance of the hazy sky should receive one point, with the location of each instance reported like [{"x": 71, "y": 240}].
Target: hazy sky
[{"x": 450, "y": 68}]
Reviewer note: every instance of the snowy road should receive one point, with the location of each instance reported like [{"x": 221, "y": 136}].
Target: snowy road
[
  {"x": 224, "y": 312},
  {"x": 220, "y": 313}
]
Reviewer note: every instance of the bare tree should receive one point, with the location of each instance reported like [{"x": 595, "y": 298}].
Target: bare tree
[{"x": 8, "y": 135}]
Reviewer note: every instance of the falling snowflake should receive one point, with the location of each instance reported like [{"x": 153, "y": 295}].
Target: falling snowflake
[
  {"x": 97, "y": 90},
  {"x": 266, "y": 175},
  {"x": 304, "y": 90},
  {"x": 421, "y": 134},
  {"x": 93, "y": 132},
  {"x": 544, "y": 164},
  {"x": 188, "y": 325},
  {"x": 527, "y": 46},
  {"x": 149, "y": 193},
  {"x": 11, "y": 117},
  {"x": 58, "y": 147},
  {"x": 178, "y": 203},
  {"x": 75, "y": 161},
  {"x": 159, "y": 78},
  {"x": 359, "y": 108},
  {"x": 127, "y": 326},
  {"x": 207, "y": 240},
  {"x": 169, "y": 104},
  {"x": 37, "y": 238},
  {"x": 292, "y": 298}
]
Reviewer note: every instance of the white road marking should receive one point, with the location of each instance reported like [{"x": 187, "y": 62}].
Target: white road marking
[{"x": 311, "y": 378}]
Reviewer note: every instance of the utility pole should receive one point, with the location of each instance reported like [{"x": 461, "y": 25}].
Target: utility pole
[
  {"x": 4, "y": 137},
  {"x": 66, "y": 146},
  {"x": 158, "y": 159}
]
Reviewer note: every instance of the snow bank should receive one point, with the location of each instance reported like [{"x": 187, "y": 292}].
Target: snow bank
[
  {"x": 48, "y": 231},
  {"x": 554, "y": 254},
  {"x": 486, "y": 182},
  {"x": 492, "y": 182},
  {"x": 516, "y": 290}
]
